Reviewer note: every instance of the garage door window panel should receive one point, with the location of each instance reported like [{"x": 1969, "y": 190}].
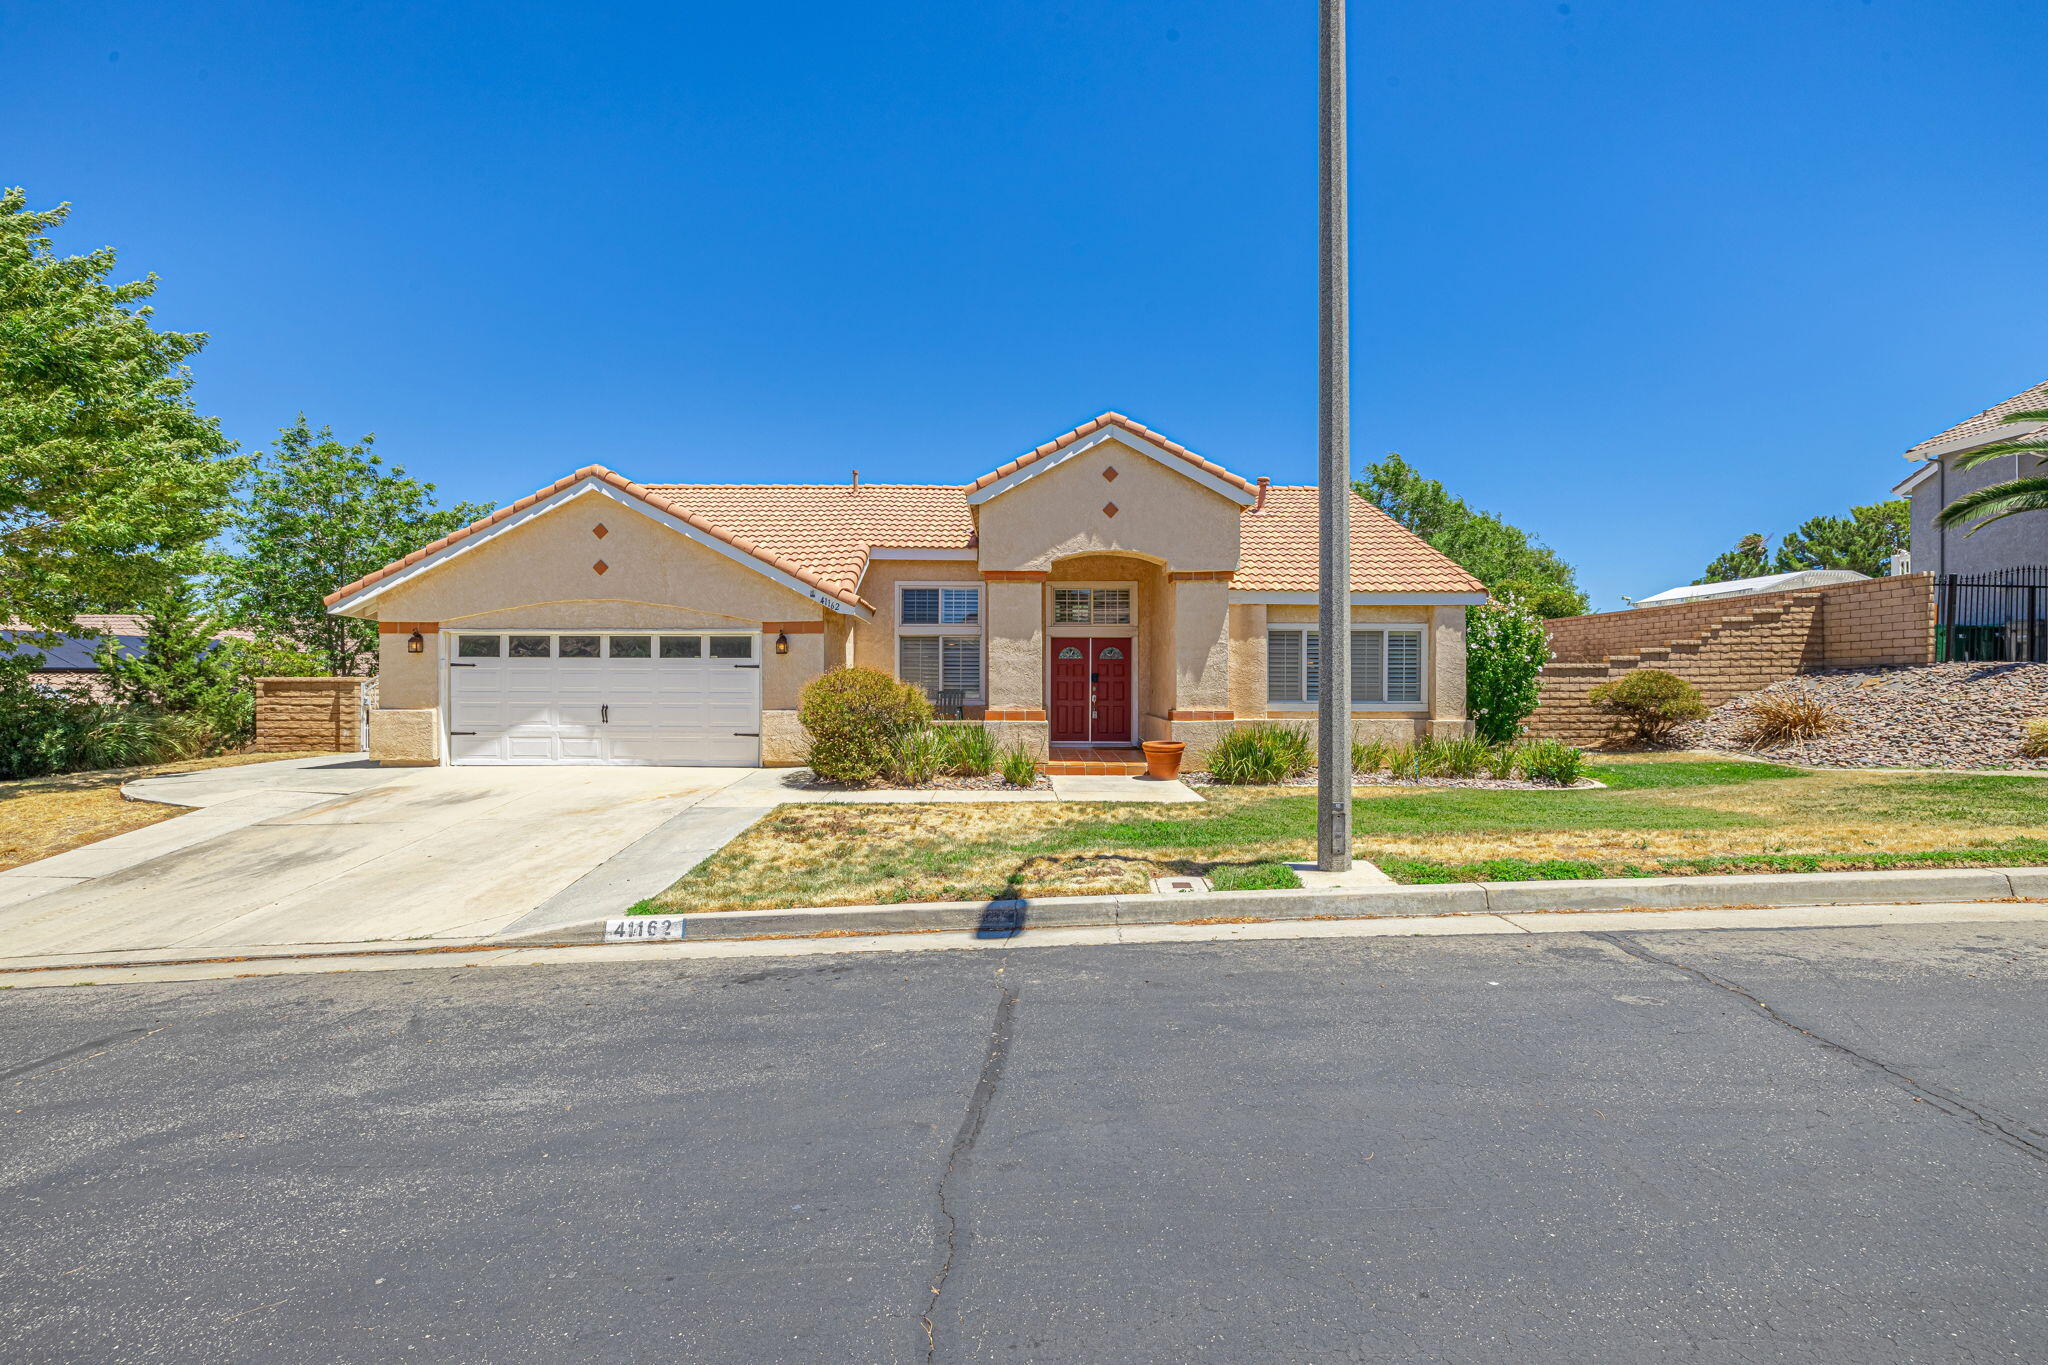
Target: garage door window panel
[
  {"x": 479, "y": 647},
  {"x": 682, "y": 647}
]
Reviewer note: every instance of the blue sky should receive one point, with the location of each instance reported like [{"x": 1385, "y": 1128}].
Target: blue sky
[{"x": 1640, "y": 276}]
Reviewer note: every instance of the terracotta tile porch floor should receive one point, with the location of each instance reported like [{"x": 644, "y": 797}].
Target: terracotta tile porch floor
[{"x": 1080, "y": 760}]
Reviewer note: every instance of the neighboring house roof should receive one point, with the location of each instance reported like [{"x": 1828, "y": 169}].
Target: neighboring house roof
[
  {"x": 74, "y": 653},
  {"x": 1743, "y": 587},
  {"x": 1279, "y": 546},
  {"x": 1086, "y": 429},
  {"x": 1987, "y": 426},
  {"x": 599, "y": 474},
  {"x": 824, "y": 534},
  {"x": 831, "y": 527}
]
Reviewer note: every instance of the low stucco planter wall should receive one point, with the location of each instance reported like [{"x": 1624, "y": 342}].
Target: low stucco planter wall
[{"x": 406, "y": 739}]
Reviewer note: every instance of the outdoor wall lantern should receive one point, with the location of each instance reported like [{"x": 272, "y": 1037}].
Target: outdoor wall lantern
[
  {"x": 416, "y": 643},
  {"x": 781, "y": 642}
]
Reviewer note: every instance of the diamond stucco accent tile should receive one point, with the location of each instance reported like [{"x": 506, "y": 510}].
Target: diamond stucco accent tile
[
  {"x": 1109, "y": 474},
  {"x": 599, "y": 567},
  {"x": 599, "y": 531},
  {"x": 1109, "y": 509}
]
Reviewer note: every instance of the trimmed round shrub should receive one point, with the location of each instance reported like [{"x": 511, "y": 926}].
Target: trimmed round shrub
[
  {"x": 1647, "y": 703},
  {"x": 858, "y": 719}
]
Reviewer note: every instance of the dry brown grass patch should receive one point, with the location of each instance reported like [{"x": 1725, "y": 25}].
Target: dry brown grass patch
[{"x": 45, "y": 816}]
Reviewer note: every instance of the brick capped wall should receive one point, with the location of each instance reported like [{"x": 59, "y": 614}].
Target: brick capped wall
[
  {"x": 317, "y": 714},
  {"x": 1734, "y": 645}
]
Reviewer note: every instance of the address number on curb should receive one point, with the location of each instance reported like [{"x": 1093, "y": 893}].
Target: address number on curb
[{"x": 643, "y": 928}]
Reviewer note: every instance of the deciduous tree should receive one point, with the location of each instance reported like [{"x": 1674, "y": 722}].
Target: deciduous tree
[
  {"x": 320, "y": 513},
  {"x": 111, "y": 482}
]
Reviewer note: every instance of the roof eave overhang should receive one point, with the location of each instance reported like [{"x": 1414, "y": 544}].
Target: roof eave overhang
[
  {"x": 355, "y": 602},
  {"x": 1122, "y": 436}
]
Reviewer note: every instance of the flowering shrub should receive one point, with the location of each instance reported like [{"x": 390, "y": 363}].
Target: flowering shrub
[{"x": 1505, "y": 650}]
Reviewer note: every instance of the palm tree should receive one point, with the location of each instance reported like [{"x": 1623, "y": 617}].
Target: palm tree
[{"x": 2028, "y": 493}]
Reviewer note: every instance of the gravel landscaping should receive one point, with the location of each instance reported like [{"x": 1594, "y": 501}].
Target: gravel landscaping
[
  {"x": 1945, "y": 716},
  {"x": 806, "y": 780}
]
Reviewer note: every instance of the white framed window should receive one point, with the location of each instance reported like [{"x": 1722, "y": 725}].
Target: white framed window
[
  {"x": 1092, "y": 605},
  {"x": 1386, "y": 665},
  {"x": 938, "y": 638}
]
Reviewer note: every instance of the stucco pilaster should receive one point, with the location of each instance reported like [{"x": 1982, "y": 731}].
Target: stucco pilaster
[
  {"x": 1201, "y": 643},
  {"x": 1016, "y": 646},
  {"x": 1248, "y": 658},
  {"x": 1447, "y": 657}
]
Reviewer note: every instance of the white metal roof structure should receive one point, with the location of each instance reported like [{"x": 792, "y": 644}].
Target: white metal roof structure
[{"x": 1746, "y": 587}]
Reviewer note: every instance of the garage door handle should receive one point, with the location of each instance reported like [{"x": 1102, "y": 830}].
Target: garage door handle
[
  {"x": 746, "y": 734},
  {"x": 746, "y": 665},
  {"x": 604, "y": 715},
  {"x": 462, "y": 732},
  {"x": 462, "y": 665}
]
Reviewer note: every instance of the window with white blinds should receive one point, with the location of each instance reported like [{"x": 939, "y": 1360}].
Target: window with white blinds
[
  {"x": 938, "y": 638},
  {"x": 1386, "y": 665},
  {"x": 941, "y": 663}
]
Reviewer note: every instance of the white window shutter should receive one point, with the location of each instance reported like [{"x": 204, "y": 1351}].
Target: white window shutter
[
  {"x": 918, "y": 661},
  {"x": 1404, "y": 665}
]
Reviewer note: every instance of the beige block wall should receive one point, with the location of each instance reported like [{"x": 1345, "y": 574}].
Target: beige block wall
[
  {"x": 308, "y": 714},
  {"x": 1059, "y": 514},
  {"x": 1734, "y": 646},
  {"x": 783, "y": 739}
]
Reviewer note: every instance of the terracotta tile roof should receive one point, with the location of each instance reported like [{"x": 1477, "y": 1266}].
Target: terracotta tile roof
[
  {"x": 822, "y": 534},
  {"x": 831, "y": 527},
  {"x": 1279, "y": 544},
  {"x": 597, "y": 471},
  {"x": 1108, "y": 419},
  {"x": 1990, "y": 424}
]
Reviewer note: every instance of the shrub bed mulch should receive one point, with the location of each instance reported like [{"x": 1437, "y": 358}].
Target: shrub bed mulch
[
  {"x": 1941, "y": 716},
  {"x": 1508, "y": 784},
  {"x": 806, "y": 780}
]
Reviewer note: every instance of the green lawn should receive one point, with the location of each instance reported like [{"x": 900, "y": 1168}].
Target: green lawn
[{"x": 1658, "y": 817}]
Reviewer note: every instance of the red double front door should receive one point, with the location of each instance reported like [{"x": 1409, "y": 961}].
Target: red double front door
[{"x": 1091, "y": 690}]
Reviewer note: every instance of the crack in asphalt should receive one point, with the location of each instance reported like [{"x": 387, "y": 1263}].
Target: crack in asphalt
[
  {"x": 1953, "y": 1105},
  {"x": 127, "y": 1033},
  {"x": 953, "y": 1234}
]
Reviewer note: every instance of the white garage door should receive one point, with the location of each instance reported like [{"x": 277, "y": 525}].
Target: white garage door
[{"x": 679, "y": 699}]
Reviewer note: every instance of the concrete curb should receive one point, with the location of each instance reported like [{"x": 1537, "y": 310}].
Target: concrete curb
[{"x": 1002, "y": 918}]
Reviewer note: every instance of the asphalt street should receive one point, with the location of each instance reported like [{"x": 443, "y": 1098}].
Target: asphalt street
[{"x": 1794, "y": 1145}]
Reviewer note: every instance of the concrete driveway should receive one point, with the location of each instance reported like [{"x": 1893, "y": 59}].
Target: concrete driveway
[{"x": 335, "y": 850}]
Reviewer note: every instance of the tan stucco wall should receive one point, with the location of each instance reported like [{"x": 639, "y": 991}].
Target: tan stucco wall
[
  {"x": 784, "y": 675},
  {"x": 874, "y": 642},
  {"x": 407, "y": 681},
  {"x": 783, "y": 739},
  {"x": 1248, "y": 658},
  {"x": 1059, "y": 513},
  {"x": 540, "y": 574},
  {"x": 1015, "y": 635},
  {"x": 1443, "y": 665},
  {"x": 1201, "y": 645}
]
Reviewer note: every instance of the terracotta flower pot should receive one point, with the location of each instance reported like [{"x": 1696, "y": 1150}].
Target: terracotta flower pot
[{"x": 1162, "y": 758}]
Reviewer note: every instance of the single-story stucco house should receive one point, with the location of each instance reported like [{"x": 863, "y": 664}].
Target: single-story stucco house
[{"x": 1107, "y": 587}]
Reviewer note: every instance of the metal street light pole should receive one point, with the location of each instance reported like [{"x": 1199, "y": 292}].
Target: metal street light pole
[{"x": 1333, "y": 470}]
